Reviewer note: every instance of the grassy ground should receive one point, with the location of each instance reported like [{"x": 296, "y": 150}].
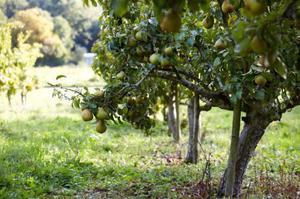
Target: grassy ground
[{"x": 46, "y": 151}]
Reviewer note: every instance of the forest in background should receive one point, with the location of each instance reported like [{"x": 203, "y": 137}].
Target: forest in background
[{"x": 64, "y": 29}]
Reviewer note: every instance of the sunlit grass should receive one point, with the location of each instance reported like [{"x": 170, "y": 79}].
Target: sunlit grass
[{"x": 81, "y": 75}]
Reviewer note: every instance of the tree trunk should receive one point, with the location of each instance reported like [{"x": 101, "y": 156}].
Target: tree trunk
[
  {"x": 171, "y": 117},
  {"x": 23, "y": 98},
  {"x": 164, "y": 113},
  {"x": 173, "y": 114},
  {"x": 193, "y": 119},
  {"x": 9, "y": 100},
  {"x": 253, "y": 130},
  {"x": 177, "y": 134},
  {"x": 230, "y": 175}
]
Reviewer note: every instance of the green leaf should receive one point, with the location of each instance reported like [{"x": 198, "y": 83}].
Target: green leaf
[
  {"x": 280, "y": 68},
  {"x": 94, "y": 2},
  {"x": 193, "y": 5},
  {"x": 243, "y": 47},
  {"x": 256, "y": 68},
  {"x": 217, "y": 61},
  {"x": 204, "y": 4},
  {"x": 239, "y": 30},
  {"x": 76, "y": 103},
  {"x": 60, "y": 76},
  {"x": 119, "y": 7},
  {"x": 86, "y": 2},
  {"x": 236, "y": 3},
  {"x": 260, "y": 94},
  {"x": 190, "y": 41}
]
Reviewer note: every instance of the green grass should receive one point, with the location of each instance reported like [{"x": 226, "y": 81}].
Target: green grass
[
  {"x": 76, "y": 75},
  {"x": 46, "y": 151}
]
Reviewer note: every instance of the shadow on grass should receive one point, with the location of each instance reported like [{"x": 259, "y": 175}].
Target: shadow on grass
[
  {"x": 61, "y": 156},
  {"x": 46, "y": 156}
]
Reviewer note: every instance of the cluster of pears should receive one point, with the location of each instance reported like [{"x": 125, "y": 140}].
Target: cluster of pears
[
  {"x": 140, "y": 36},
  {"x": 164, "y": 61},
  {"x": 133, "y": 107},
  {"x": 135, "y": 111},
  {"x": 252, "y": 7},
  {"x": 257, "y": 44},
  {"x": 101, "y": 115},
  {"x": 155, "y": 58}
]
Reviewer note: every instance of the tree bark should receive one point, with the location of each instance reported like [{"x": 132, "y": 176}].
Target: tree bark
[
  {"x": 171, "y": 117},
  {"x": 253, "y": 130},
  {"x": 193, "y": 119},
  {"x": 164, "y": 113},
  {"x": 173, "y": 114},
  {"x": 9, "y": 100},
  {"x": 23, "y": 98},
  {"x": 177, "y": 134},
  {"x": 230, "y": 175}
]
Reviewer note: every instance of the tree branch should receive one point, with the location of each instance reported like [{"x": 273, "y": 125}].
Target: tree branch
[
  {"x": 206, "y": 107},
  {"x": 187, "y": 74},
  {"x": 130, "y": 87},
  {"x": 64, "y": 88},
  {"x": 170, "y": 76},
  {"x": 295, "y": 101}
]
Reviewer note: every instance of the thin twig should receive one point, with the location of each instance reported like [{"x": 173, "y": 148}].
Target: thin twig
[{"x": 67, "y": 89}]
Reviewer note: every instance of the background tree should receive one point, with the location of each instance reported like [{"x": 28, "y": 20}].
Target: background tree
[
  {"x": 63, "y": 29},
  {"x": 84, "y": 21},
  {"x": 10, "y": 7},
  {"x": 16, "y": 62},
  {"x": 2, "y": 17},
  {"x": 75, "y": 27},
  {"x": 41, "y": 27}
]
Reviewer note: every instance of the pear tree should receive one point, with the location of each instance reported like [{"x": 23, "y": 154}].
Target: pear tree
[{"x": 238, "y": 55}]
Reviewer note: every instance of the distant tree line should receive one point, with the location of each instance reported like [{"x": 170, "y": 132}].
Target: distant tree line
[{"x": 65, "y": 29}]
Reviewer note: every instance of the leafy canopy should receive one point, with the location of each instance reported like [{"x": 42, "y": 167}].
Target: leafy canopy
[
  {"x": 225, "y": 51},
  {"x": 16, "y": 61}
]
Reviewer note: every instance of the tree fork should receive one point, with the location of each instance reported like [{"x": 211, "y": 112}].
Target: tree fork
[
  {"x": 253, "y": 130},
  {"x": 255, "y": 124}
]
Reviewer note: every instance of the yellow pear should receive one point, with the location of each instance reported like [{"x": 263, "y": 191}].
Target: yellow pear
[
  {"x": 171, "y": 22},
  {"x": 258, "y": 45},
  {"x": 100, "y": 126},
  {"x": 220, "y": 44},
  {"x": 86, "y": 115},
  {"x": 102, "y": 114},
  {"x": 260, "y": 80},
  {"x": 154, "y": 58},
  {"x": 227, "y": 7},
  {"x": 255, "y": 7},
  {"x": 121, "y": 75},
  {"x": 208, "y": 22}
]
